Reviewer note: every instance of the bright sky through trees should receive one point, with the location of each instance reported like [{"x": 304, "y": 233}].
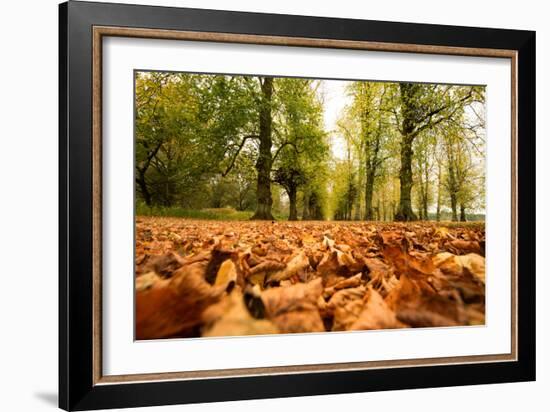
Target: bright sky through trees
[{"x": 335, "y": 98}]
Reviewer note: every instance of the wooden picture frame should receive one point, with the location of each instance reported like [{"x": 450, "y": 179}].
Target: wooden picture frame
[{"x": 82, "y": 27}]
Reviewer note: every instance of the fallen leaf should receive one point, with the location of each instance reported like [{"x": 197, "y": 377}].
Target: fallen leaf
[
  {"x": 227, "y": 275},
  {"x": 218, "y": 256},
  {"x": 297, "y": 266},
  {"x": 163, "y": 265},
  {"x": 466, "y": 273},
  {"x": 175, "y": 308},
  {"x": 294, "y": 309},
  {"x": 375, "y": 314},
  {"x": 426, "y": 273},
  {"x": 461, "y": 247},
  {"x": 230, "y": 317},
  {"x": 146, "y": 281},
  {"x": 345, "y": 306},
  {"x": 351, "y": 282},
  {"x": 417, "y": 304}
]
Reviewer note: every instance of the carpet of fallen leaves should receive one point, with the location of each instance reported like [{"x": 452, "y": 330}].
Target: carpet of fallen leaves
[{"x": 211, "y": 278}]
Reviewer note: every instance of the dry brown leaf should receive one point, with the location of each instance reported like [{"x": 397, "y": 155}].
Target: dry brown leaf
[
  {"x": 328, "y": 243},
  {"x": 472, "y": 263},
  {"x": 376, "y": 314},
  {"x": 417, "y": 304},
  {"x": 417, "y": 265},
  {"x": 345, "y": 306},
  {"x": 465, "y": 273},
  {"x": 230, "y": 317},
  {"x": 175, "y": 308},
  {"x": 146, "y": 281},
  {"x": 346, "y": 315},
  {"x": 294, "y": 309},
  {"x": 259, "y": 250},
  {"x": 308, "y": 240},
  {"x": 163, "y": 265},
  {"x": 351, "y": 282},
  {"x": 442, "y": 288},
  {"x": 297, "y": 266},
  {"x": 267, "y": 266},
  {"x": 218, "y": 256},
  {"x": 227, "y": 275},
  {"x": 475, "y": 264},
  {"x": 377, "y": 267},
  {"x": 461, "y": 247},
  {"x": 345, "y": 295}
]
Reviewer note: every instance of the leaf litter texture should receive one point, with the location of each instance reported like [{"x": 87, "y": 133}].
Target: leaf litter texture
[{"x": 214, "y": 278}]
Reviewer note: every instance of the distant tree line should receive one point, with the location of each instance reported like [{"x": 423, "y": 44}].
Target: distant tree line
[
  {"x": 411, "y": 148},
  {"x": 258, "y": 144}
]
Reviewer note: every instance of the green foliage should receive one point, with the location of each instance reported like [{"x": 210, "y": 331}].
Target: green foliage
[
  {"x": 197, "y": 148},
  {"x": 187, "y": 127},
  {"x": 303, "y": 150}
]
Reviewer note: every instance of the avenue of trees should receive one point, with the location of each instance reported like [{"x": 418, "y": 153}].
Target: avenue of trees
[{"x": 258, "y": 144}]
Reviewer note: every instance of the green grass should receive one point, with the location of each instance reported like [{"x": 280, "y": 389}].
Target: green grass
[
  {"x": 205, "y": 214},
  {"x": 224, "y": 213},
  {"x": 228, "y": 213}
]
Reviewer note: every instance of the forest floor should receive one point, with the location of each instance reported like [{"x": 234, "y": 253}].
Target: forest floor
[{"x": 214, "y": 278}]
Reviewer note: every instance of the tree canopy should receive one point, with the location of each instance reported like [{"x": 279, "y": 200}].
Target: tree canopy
[{"x": 261, "y": 145}]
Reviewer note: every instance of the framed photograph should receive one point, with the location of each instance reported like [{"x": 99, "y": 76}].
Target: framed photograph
[{"x": 256, "y": 205}]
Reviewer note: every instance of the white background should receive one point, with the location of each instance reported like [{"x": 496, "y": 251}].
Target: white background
[
  {"x": 28, "y": 211},
  {"x": 122, "y": 355}
]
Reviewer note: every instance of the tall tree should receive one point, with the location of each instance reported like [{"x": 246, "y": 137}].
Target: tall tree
[
  {"x": 373, "y": 129},
  {"x": 290, "y": 178},
  {"x": 301, "y": 152},
  {"x": 423, "y": 156},
  {"x": 150, "y": 126},
  {"x": 464, "y": 183},
  {"x": 265, "y": 160},
  {"x": 187, "y": 129},
  {"x": 422, "y": 107}
]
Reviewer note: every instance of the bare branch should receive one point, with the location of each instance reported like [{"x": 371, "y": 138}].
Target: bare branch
[
  {"x": 283, "y": 145},
  {"x": 236, "y": 154}
]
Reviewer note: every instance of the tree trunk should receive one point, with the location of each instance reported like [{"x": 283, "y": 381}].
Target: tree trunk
[
  {"x": 384, "y": 206},
  {"x": 438, "y": 209},
  {"x": 305, "y": 211},
  {"x": 452, "y": 184},
  {"x": 293, "y": 212},
  {"x": 404, "y": 210},
  {"x": 426, "y": 216},
  {"x": 370, "y": 171},
  {"x": 357, "y": 213},
  {"x": 409, "y": 112},
  {"x": 142, "y": 169},
  {"x": 240, "y": 202},
  {"x": 265, "y": 160},
  {"x": 453, "y": 206},
  {"x": 369, "y": 188},
  {"x": 140, "y": 180},
  {"x": 462, "y": 213},
  {"x": 425, "y": 194},
  {"x": 315, "y": 212}
]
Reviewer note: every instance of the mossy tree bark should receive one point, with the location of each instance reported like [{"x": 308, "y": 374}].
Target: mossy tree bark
[
  {"x": 293, "y": 213},
  {"x": 404, "y": 210},
  {"x": 265, "y": 160}
]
